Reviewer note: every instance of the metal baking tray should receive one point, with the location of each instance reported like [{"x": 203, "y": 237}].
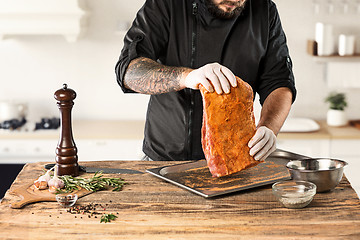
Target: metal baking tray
[{"x": 196, "y": 177}]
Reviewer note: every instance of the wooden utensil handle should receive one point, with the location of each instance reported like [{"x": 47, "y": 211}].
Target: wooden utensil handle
[
  {"x": 26, "y": 197},
  {"x": 22, "y": 202}
]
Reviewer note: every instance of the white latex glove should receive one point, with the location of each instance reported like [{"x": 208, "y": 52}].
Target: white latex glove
[
  {"x": 262, "y": 144},
  {"x": 212, "y": 75}
]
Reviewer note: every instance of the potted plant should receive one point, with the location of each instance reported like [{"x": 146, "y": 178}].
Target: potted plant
[{"x": 336, "y": 115}]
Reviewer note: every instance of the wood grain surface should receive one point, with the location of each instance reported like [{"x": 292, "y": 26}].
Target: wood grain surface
[
  {"x": 29, "y": 194},
  {"x": 149, "y": 208}
]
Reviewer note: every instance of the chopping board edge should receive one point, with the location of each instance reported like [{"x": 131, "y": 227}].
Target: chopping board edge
[{"x": 28, "y": 197}]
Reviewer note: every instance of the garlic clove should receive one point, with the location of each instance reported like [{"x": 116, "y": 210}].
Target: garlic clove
[
  {"x": 52, "y": 189},
  {"x": 37, "y": 184},
  {"x": 61, "y": 183},
  {"x": 56, "y": 182},
  {"x": 41, "y": 185},
  {"x": 51, "y": 183}
]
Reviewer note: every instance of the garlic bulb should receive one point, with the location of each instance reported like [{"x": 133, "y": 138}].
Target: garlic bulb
[
  {"x": 42, "y": 182},
  {"x": 55, "y": 183}
]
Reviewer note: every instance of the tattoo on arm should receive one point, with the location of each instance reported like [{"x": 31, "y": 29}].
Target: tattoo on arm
[{"x": 146, "y": 76}]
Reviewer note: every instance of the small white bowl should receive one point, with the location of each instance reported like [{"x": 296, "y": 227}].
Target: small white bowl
[
  {"x": 294, "y": 194},
  {"x": 66, "y": 200}
]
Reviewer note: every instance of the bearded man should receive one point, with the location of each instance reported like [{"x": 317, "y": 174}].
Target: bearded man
[{"x": 174, "y": 46}]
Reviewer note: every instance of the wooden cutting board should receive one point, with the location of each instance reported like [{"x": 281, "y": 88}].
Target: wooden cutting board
[{"x": 29, "y": 194}]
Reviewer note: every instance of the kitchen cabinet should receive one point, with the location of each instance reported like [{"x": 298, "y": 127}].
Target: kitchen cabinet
[
  {"x": 109, "y": 149},
  {"x": 345, "y": 147},
  {"x": 349, "y": 151},
  {"x": 335, "y": 142},
  {"x": 306, "y": 147},
  {"x": 338, "y": 148},
  {"x": 25, "y": 151},
  {"x": 13, "y": 151},
  {"x": 95, "y": 140},
  {"x": 309, "y": 143},
  {"x": 42, "y": 17}
]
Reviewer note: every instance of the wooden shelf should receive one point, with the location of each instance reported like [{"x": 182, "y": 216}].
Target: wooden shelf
[
  {"x": 312, "y": 51},
  {"x": 336, "y": 58}
]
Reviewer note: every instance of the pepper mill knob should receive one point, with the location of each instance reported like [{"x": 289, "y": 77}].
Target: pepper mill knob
[
  {"x": 65, "y": 94},
  {"x": 66, "y": 151}
]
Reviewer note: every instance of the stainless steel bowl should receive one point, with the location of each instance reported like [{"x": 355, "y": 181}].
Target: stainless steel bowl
[{"x": 326, "y": 173}]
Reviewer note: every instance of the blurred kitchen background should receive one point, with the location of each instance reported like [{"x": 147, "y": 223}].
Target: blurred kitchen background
[
  {"x": 33, "y": 66},
  {"x": 45, "y": 43}
]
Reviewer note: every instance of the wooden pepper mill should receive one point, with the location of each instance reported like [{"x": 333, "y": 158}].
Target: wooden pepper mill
[{"x": 66, "y": 151}]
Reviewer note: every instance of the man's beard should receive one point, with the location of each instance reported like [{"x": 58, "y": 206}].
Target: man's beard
[{"x": 219, "y": 13}]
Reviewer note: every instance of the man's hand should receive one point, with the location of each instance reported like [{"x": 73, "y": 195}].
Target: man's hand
[
  {"x": 263, "y": 143},
  {"x": 211, "y": 76},
  {"x": 273, "y": 114}
]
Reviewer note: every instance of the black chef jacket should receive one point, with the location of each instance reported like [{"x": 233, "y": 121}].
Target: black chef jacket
[{"x": 183, "y": 33}]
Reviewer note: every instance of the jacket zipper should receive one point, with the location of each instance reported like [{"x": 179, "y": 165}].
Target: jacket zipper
[
  {"x": 191, "y": 95},
  {"x": 194, "y": 33}
]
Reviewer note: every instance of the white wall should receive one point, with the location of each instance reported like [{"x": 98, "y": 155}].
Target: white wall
[
  {"x": 32, "y": 68},
  {"x": 298, "y": 19}
]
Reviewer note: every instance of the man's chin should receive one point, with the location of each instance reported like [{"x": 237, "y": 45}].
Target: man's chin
[
  {"x": 229, "y": 13},
  {"x": 224, "y": 12},
  {"x": 227, "y": 9}
]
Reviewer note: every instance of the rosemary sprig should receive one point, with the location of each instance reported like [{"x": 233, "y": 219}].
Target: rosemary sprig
[
  {"x": 96, "y": 183},
  {"x": 107, "y": 217}
]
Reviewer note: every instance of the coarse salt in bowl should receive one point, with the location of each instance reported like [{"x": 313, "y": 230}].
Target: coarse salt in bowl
[{"x": 294, "y": 194}]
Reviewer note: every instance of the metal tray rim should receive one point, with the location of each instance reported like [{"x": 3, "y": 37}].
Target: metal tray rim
[{"x": 156, "y": 172}]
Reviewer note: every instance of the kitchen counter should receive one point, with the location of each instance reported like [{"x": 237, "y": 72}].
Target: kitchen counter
[
  {"x": 85, "y": 129},
  {"x": 95, "y": 140},
  {"x": 127, "y": 129},
  {"x": 325, "y": 132},
  {"x": 149, "y": 208}
]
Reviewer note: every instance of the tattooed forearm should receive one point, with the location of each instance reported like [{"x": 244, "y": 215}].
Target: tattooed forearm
[{"x": 149, "y": 77}]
